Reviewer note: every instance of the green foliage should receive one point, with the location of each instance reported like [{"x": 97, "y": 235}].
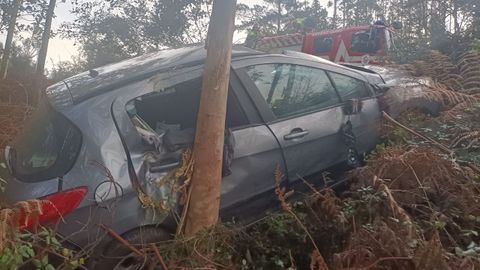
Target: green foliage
[
  {"x": 34, "y": 250},
  {"x": 276, "y": 17},
  {"x": 109, "y": 31}
]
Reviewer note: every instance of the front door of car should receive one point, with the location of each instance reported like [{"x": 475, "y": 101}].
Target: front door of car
[
  {"x": 307, "y": 115},
  {"x": 366, "y": 122}
]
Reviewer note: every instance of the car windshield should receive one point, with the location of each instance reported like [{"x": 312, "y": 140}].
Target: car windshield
[{"x": 47, "y": 148}]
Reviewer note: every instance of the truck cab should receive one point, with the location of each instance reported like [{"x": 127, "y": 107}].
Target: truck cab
[{"x": 356, "y": 45}]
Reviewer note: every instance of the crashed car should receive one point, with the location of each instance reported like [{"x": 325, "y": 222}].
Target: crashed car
[{"x": 105, "y": 146}]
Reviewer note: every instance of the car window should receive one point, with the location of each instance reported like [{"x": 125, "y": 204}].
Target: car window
[
  {"x": 293, "y": 89},
  {"x": 322, "y": 44},
  {"x": 49, "y": 148},
  {"x": 178, "y": 105},
  {"x": 348, "y": 87}
]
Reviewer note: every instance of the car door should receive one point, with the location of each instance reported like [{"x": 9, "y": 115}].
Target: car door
[
  {"x": 366, "y": 123},
  {"x": 249, "y": 189},
  {"x": 303, "y": 111}
]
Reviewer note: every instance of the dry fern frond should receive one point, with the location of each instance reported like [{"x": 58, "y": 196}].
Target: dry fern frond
[
  {"x": 430, "y": 256},
  {"x": 370, "y": 247},
  {"x": 328, "y": 206},
  {"x": 6, "y": 228},
  {"x": 10, "y": 218},
  {"x": 441, "y": 93},
  {"x": 470, "y": 138},
  {"x": 317, "y": 262},
  {"x": 280, "y": 191}
]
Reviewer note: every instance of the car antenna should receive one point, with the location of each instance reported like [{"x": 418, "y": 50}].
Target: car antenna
[{"x": 93, "y": 73}]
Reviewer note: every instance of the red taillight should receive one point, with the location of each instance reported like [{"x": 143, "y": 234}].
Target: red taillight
[{"x": 53, "y": 207}]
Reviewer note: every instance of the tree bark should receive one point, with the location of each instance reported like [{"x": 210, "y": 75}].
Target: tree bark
[
  {"x": 42, "y": 54},
  {"x": 279, "y": 17},
  {"x": 204, "y": 203},
  {"x": 476, "y": 20},
  {"x": 8, "y": 42},
  {"x": 334, "y": 18},
  {"x": 456, "y": 25}
]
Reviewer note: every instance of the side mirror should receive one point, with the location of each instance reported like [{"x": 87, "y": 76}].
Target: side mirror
[
  {"x": 397, "y": 25},
  {"x": 352, "y": 106},
  {"x": 381, "y": 88}
]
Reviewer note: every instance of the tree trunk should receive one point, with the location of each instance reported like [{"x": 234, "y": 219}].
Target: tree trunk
[
  {"x": 279, "y": 17},
  {"x": 456, "y": 25},
  {"x": 334, "y": 19},
  {"x": 476, "y": 20},
  {"x": 8, "y": 42},
  {"x": 42, "y": 54},
  {"x": 204, "y": 202}
]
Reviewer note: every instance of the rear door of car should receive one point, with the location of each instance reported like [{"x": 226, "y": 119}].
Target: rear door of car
[{"x": 298, "y": 101}]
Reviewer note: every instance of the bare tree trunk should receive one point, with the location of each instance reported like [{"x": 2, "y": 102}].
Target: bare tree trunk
[
  {"x": 8, "y": 42},
  {"x": 334, "y": 19},
  {"x": 476, "y": 21},
  {"x": 42, "y": 54},
  {"x": 279, "y": 16},
  {"x": 204, "y": 193}
]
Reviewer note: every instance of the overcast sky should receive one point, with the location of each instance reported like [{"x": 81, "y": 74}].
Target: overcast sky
[{"x": 62, "y": 49}]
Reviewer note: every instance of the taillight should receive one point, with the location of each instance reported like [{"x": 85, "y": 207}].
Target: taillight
[{"x": 53, "y": 207}]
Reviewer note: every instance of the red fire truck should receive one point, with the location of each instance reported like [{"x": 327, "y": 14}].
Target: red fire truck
[{"x": 366, "y": 44}]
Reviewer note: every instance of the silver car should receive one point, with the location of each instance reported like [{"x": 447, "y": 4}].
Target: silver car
[{"x": 103, "y": 145}]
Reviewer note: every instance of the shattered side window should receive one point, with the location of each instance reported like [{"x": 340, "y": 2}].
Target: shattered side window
[{"x": 169, "y": 116}]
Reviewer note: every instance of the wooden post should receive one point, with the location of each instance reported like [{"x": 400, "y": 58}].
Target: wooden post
[
  {"x": 204, "y": 203},
  {"x": 42, "y": 54},
  {"x": 8, "y": 42}
]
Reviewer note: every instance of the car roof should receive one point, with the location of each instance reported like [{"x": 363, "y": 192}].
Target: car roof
[
  {"x": 94, "y": 82},
  {"x": 83, "y": 86}
]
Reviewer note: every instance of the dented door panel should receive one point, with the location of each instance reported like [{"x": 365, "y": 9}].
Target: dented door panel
[{"x": 256, "y": 156}]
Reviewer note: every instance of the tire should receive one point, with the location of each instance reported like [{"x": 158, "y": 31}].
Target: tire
[{"x": 116, "y": 256}]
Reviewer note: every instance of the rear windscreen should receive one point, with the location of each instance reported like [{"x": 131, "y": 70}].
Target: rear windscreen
[{"x": 48, "y": 147}]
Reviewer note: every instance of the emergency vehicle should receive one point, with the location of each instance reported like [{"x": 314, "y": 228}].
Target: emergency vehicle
[{"x": 367, "y": 44}]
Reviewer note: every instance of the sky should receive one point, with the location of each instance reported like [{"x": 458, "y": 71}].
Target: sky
[{"x": 64, "y": 49}]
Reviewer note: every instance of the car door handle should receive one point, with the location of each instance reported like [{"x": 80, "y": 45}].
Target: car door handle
[{"x": 296, "y": 134}]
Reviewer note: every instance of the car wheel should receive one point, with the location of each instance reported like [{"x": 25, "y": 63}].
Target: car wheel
[{"x": 117, "y": 256}]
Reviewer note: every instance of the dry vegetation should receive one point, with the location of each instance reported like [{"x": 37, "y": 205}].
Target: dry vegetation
[{"x": 15, "y": 108}]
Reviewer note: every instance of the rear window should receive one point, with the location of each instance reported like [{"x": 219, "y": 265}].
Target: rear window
[{"x": 48, "y": 148}]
